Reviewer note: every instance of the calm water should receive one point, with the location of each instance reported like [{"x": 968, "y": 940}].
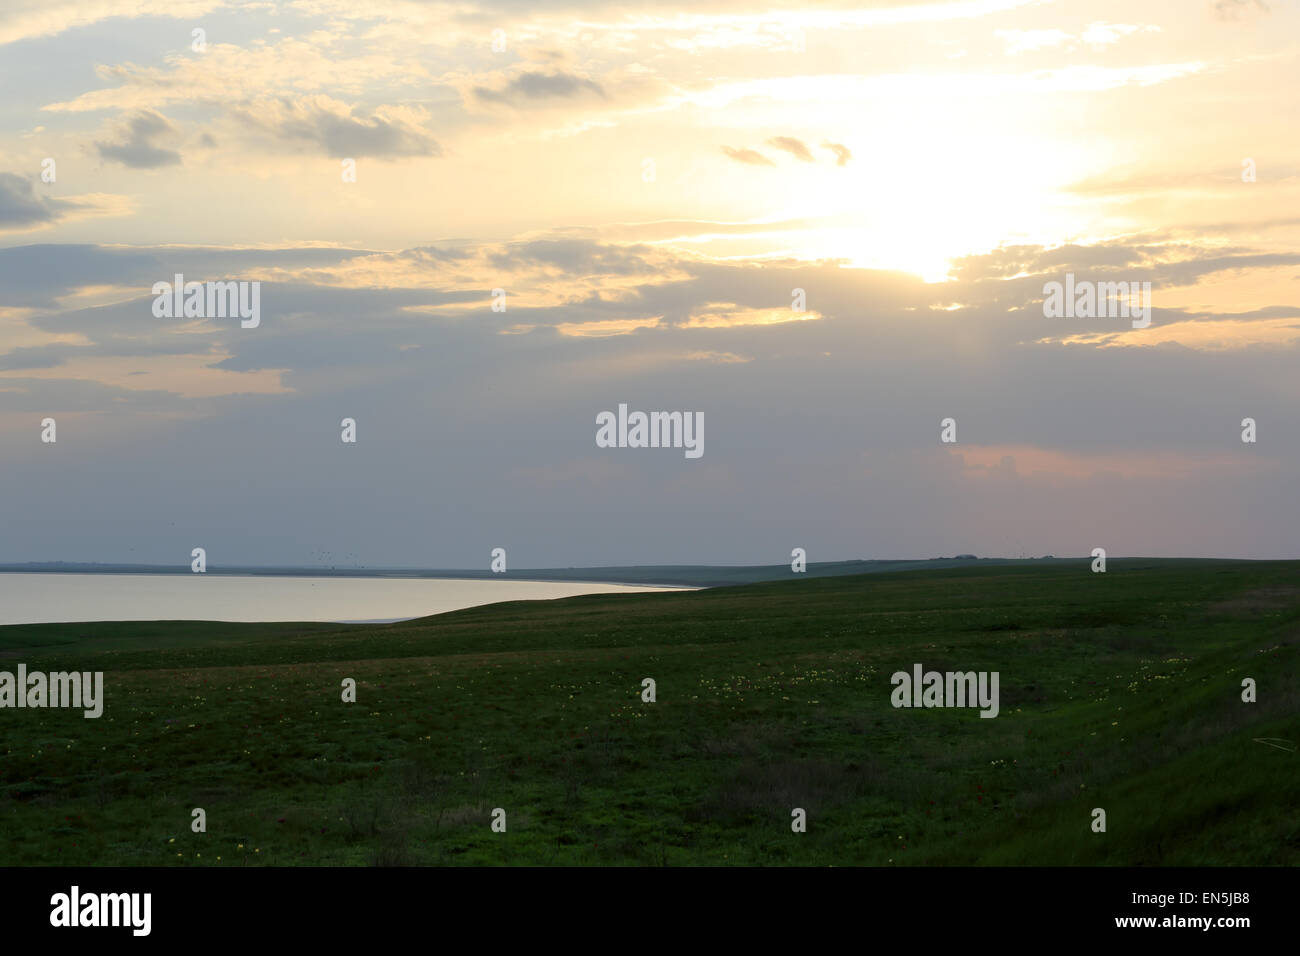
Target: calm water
[{"x": 54, "y": 598}]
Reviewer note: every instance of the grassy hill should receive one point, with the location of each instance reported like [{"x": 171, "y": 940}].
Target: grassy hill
[{"x": 1119, "y": 690}]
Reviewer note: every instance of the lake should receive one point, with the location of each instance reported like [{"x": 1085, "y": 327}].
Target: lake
[{"x": 64, "y": 598}]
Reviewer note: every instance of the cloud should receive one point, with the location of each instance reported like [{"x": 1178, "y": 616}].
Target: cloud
[
  {"x": 32, "y": 357},
  {"x": 533, "y": 86},
  {"x": 21, "y": 206},
  {"x": 1027, "y": 41},
  {"x": 1237, "y": 9},
  {"x": 40, "y": 275},
  {"x": 1097, "y": 35},
  {"x": 21, "y": 19},
  {"x": 787, "y": 144},
  {"x": 727, "y": 315},
  {"x": 842, "y": 154},
  {"x": 666, "y": 229},
  {"x": 70, "y": 394},
  {"x": 747, "y": 156},
  {"x": 237, "y": 75},
  {"x": 1101, "y": 34},
  {"x": 794, "y": 147},
  {"x": 342, "y": 131},
  {"x": 712, "y": 340},
  {"x": 575, "y": 256},
  {"x": 135, "y": 148}
]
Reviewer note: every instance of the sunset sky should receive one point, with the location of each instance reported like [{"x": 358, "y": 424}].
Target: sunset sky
[{"x": 648, "y": 182}]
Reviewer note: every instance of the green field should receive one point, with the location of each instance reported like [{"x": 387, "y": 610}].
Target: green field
[{"x": 1119, "y": 690}]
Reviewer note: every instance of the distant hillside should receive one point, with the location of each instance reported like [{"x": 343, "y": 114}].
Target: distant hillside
[{"x": 679, "y": 575}]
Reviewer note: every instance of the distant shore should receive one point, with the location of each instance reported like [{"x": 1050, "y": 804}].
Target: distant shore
[{"x": 645, "y": 575}]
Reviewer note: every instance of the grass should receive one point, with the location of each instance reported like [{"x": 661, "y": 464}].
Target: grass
[{"x": 1119, "y": 690}]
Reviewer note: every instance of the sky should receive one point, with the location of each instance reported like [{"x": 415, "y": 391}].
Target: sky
[{"x": 821, "y": 228}]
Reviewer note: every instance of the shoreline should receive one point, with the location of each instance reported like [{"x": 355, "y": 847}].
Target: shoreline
[{"x": 79, "y": 598}]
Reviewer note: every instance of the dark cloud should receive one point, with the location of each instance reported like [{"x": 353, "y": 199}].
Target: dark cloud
[
  {"x": 134, "y": 146},
  {"x": 468, "y": 434},
  {"x": 106, "y": 343},
  {"x": 1010, "y": 261},
  {"x": 62, "y": 395},
  {"x": 40, "y": 356},
  {"x": 21, "y": 205},
  {"x": 338, "y": 131},
  {"x": 37, "y": 275},
  {"x": 533, "y": 86}
]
